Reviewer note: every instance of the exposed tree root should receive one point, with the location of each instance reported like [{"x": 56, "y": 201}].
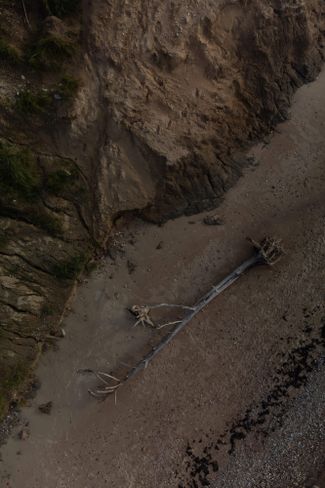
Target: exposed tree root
[
  {"x": 142, "y": 313},
  {"x": 269, "y": 250}
]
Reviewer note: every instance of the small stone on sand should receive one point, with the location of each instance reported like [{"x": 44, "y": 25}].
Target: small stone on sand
[{"x": 46, "y": 407}]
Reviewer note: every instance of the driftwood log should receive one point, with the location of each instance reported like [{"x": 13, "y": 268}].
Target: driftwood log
[{"x": 268, "y": 252}]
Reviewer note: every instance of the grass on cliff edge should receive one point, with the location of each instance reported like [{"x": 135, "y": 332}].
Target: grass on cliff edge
[
  {"x": 9, "y": 53},
  {"x": 61, "y": 8},
  {"x": 42, "y": 103},
  {"x": 68, "y": 87},
  {"x": 11, "y": 380},
  {"x": 70, "y": 268},
  {"x": 19, "y": 174},
  {"x": 50, "y": 52},
  {"x": 29, "y": 103},
  {"x": 21, "y": 186},
  {"x": 4, "y": 240}
]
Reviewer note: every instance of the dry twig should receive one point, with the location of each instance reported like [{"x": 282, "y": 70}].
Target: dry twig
[
  {"x": 25, "y": 13},
  {"x": 142, "y": 313}
]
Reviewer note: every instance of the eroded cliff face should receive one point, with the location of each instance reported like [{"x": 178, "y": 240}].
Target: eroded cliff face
[
  {"x": 183, "y": 87},
  {"x": 171, "y": 93}
]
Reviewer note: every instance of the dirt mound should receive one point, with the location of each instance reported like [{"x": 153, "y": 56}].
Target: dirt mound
[{"x": 168, "y": 96}]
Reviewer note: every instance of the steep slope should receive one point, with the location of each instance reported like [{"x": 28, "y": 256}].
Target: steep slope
[{"x": 183, "y": 87}]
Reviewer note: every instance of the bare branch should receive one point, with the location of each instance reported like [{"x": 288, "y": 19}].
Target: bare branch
[
  {"x": 171, "y": 305},
  {"x": 168, "y": 323},
  {"x": 25, "y": 14}
]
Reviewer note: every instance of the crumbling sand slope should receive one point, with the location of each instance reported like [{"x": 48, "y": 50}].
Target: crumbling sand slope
[
  {"x": 171, "y": 93},
  {"x": 182, "y": 87}
]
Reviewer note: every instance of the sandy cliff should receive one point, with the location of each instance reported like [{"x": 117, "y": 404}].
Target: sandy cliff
[{"x": 170, "y": 95}]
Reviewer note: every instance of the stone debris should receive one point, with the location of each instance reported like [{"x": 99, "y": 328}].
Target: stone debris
[
  {"x": 46, "y": 407},
  {"x": 212, "y": 220},
  {"x": 23, "y": 434}
]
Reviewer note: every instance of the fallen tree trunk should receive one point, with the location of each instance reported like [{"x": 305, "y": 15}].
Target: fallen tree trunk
[{"x": 267, "y": 252}]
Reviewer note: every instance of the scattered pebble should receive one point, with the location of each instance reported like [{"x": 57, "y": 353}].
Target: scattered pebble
[
  {"x": 131, "y": 266},
  {"x": 23, "y": 434},
  {"x": 46, "y": 407},
  {"x": 212, "y": 220}
]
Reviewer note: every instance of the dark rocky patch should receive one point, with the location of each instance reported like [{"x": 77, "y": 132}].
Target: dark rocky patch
[{"x": 289, "y": 377}]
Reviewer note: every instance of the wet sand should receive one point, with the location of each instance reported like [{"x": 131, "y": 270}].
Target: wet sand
[{"x": 238, "y": 398}]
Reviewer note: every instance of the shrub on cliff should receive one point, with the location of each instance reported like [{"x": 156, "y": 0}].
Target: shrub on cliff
[
  {"x": 18, "y": 172},
  {"x": 61, "y": 8},
  {"x": 9, "y": 53},
  {"x": 50, "y": 52}
]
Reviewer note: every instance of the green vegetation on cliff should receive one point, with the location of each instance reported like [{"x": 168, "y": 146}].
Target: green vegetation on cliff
[
  {"x": 50, "y": 52},
  {"x": 70, "y": 268},
  {"x": 29, "y": 103},
  {"x": 9, "y": 53},
  {"x": 12, "y": 378},
  {"x": 41, "y": 190},
  {"x": 61, "y": 8},
  {"x": 19, "y": 174}
]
